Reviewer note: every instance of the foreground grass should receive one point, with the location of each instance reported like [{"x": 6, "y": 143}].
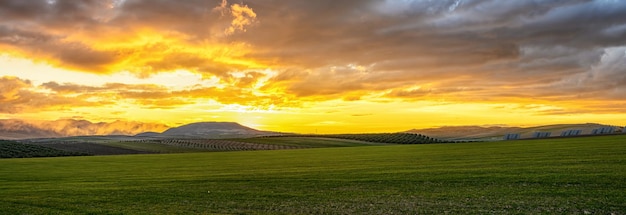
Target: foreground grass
[{"x": 563, "y": 176}]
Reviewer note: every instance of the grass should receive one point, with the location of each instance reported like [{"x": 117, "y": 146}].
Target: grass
[{"x": 562, "y": 176}]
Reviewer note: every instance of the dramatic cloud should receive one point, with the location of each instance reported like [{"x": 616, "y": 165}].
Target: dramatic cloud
[
  {"x": 155, "y": 96},
  {"x": 270, "y": 53},
  {"x": 406, "y": 44},
  {"x": 138, "y": 36},
  {"x": 17, "y": 95}
]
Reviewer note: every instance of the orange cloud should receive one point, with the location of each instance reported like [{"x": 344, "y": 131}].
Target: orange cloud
[
  {"x": 243, "y": 16},
  {"x": 155, "y": 96},
  {"x": 83, "y": 40},
  {"x": 17, "y": 95}
]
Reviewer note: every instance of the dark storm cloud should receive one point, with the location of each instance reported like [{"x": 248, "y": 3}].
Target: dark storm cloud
[
  {"x": 520, "y": 44},
  {"x": 96, "y": 14}
]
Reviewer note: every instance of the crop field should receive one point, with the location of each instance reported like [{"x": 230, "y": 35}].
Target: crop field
[
  {"x": 11, "y": 149},
  {"x": 548, "y": 176},
  {"x": 307, "y": 142},
  {"x": 91, "y": 148},
  {"x": 151, "y": 146},
  {"x": 116, "y": 145},
  {"x": 223, "y": 145}
]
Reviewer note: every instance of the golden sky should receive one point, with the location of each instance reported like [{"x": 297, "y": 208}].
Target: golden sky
[{"x": 322, "y": 66}]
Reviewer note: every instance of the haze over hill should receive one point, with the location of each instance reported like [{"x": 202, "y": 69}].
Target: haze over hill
[{"x": 19, "y": 129}]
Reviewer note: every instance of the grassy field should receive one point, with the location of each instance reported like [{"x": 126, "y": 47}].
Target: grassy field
[{"x": 552, "y": 176}]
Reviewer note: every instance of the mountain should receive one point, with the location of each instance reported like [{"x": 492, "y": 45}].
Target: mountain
[
  {"x": 497, "y": 132},
  {"x": 20, "y": 129},
  {"x": 212, "y": 130}
]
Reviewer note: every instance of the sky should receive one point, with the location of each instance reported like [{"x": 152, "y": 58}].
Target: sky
[{"x": 324, "y": 66}]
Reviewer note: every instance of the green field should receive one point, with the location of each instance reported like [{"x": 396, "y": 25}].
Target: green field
[{"x": 550, "y": 176}]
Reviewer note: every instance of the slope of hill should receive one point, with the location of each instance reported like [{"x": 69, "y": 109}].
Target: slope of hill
[
  {"x": 496, "y": 132},
  {"x": 210, "y": 130}
]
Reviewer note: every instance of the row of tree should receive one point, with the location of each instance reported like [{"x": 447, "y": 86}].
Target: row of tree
[{"x": 394, "y": 138}]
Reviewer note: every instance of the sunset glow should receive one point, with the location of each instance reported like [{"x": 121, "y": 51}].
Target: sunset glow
[{"x": 314, "y": 66}]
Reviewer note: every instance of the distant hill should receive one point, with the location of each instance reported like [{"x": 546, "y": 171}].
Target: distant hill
[
  {"x": 12, "y": 129},
  {"x": 148, "y": 134},
  {"x": 497, "y": 132},
  {"x": 213, "y": 130}
]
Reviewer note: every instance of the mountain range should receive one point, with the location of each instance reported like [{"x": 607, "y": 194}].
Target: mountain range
[
  {"x": 18, "y": 129},
  {"x": 497, "y": 132}
]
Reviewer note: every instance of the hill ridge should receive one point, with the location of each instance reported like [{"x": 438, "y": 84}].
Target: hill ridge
[
  {"x": 212, "y": 130},
  {"x": 482, "y": 132}
]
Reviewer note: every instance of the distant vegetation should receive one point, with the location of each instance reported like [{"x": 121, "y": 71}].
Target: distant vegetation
[
  {"x": 11, "y": 149},
  {"x": 114, "y": 145},
  {"x": 394, "y": 138},
  {"x": 217, "y": 144},
  {"x": 307, "y": 141}
]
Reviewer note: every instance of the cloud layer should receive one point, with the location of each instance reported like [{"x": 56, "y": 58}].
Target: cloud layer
[{"x": 537, "y": 52}]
